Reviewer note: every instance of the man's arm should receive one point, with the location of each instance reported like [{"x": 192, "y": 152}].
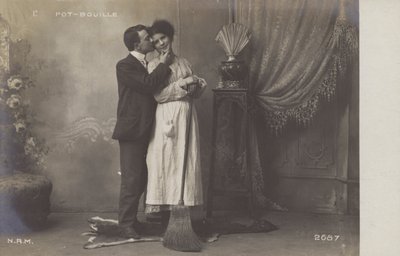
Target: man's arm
[{"x": 140, "y": 81}]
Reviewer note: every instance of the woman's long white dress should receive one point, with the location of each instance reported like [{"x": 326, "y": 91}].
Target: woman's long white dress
[{"x": 166, "y": 149}]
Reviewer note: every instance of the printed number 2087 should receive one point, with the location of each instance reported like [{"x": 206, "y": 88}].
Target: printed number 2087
[{"x": 325, "y": 237}]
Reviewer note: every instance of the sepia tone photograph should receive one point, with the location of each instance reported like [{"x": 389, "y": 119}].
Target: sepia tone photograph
[{"x": 172, "y": 127}]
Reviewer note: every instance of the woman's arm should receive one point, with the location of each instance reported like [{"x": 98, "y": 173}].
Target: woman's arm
[
  {"x": 178, "y": 89},
  {"x": 201, "y": 83},
  {"x": 172, "y": 92}
]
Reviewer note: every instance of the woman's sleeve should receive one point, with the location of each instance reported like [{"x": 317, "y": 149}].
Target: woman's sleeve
[
  {"x": 202, "y": 83},
  {"x": 174, "y": 91},
  {"x": 171, "y": 92},
  {"x": 152, "y": 65}
]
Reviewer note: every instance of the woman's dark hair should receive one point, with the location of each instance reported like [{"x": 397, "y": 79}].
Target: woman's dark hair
[{"x": 164, "y": 27}]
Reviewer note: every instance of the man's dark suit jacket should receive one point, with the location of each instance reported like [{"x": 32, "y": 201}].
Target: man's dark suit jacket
[{"x": 136, "y": 104}]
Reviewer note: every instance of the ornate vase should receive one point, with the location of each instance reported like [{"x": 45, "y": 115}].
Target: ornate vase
[{"x": 233, "y": 74}]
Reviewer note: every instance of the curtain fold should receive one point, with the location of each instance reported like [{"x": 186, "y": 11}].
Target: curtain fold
[
  {"x": 292, "y": 55},
  {"x": 298, "y": 49}
]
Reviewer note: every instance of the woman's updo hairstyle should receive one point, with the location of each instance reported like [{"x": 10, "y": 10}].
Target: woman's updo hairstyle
[{"x": 163, "y": 27}]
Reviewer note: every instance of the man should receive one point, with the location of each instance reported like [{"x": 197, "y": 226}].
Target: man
[{"x": 135, "y": 114}]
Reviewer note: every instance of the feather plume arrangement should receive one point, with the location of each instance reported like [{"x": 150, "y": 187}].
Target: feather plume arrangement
[{"x": 233, "y": 38}]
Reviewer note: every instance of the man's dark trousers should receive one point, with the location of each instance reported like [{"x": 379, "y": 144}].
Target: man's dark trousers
[
  {"x": 135, "y": 115},
  {"x": 133, "y": 179}
]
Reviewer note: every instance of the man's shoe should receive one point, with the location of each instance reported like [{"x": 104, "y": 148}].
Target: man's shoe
[
  {"x": 139, "y": 227},
  {"x": 129, "y": 232}
]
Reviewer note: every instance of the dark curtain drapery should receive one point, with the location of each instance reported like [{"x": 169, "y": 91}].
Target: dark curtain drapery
[{"x": 298, "y": 50}]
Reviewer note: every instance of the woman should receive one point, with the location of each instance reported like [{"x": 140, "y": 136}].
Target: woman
[{"x": 166, "y": 149}]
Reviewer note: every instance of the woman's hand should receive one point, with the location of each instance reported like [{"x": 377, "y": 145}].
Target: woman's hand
[
  {"x": 189, "y": 83},
  {"x": 191, "y": 80}
]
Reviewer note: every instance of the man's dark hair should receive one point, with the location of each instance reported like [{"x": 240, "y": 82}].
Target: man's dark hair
[
  {"x": 131, "y": 36},
  {"x": 163, "y": 27}
]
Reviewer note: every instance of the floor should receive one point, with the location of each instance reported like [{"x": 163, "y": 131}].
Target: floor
[{"x": 299, "y": 234}]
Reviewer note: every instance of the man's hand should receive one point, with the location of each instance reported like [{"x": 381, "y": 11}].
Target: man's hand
[{"x": 166, "y": 57}]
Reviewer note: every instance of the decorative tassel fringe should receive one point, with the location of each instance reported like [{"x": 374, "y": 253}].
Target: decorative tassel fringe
[
  {"x": 345, "y": 40},
  {"x": 345, "y": 37}
]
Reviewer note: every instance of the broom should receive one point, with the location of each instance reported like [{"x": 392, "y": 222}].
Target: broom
[{"x": 179, "y": 235}]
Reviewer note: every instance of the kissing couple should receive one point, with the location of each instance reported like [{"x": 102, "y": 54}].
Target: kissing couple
[{"x": 155, "y": 104}]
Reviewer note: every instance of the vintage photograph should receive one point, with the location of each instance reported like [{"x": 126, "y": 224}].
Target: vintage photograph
[{"x": 172, "y": 127}]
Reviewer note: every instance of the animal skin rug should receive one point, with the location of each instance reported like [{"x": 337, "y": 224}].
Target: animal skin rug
[{"x": 105, "y": 232}]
